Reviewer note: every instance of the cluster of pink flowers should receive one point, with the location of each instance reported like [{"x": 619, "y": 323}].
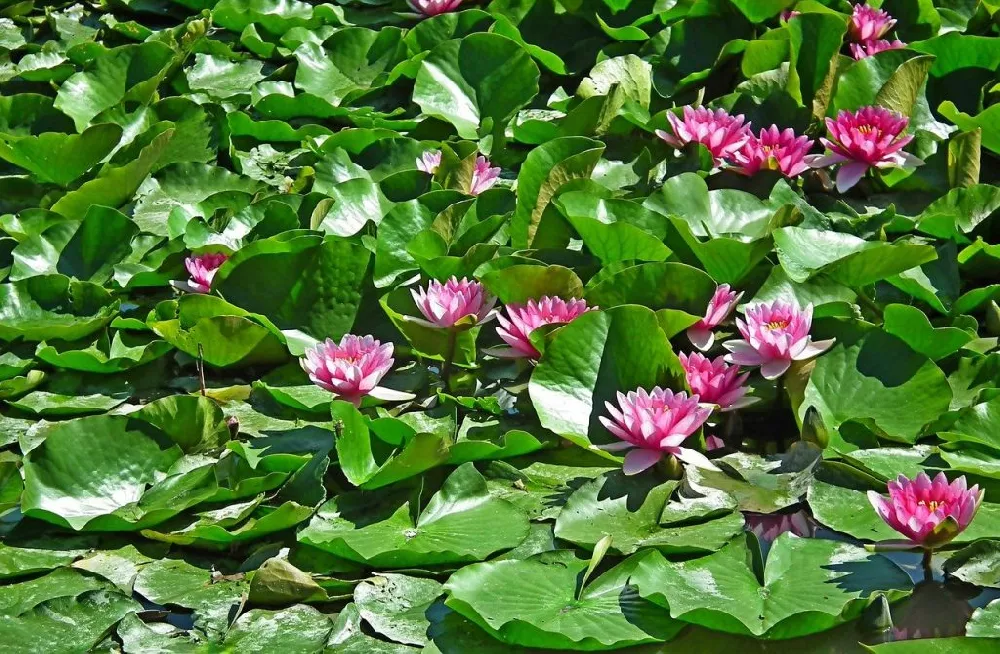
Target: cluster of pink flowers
[
  {"x": 730, "y": 140},
  {"x": 484, "y": 175},
  {"x": 928, "y": 513},
  {"x": 866, "y": 29},
  {"x": 202, "y": 269},
  {"x": 871, "y": 137}
]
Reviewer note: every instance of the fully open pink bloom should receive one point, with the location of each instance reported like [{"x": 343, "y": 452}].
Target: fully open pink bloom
[
  {"x": 768, "y": 526},
  {"x": 483, "y": 177},
  {"x": 862, "y": 139},
  {"x": 202, "y": 269},
  {"x": 929, "y": 513},
  {"x": 715, "y": 382},
  {"x": 868, "y": 23},
  {"x": 654, "y": 424},
  {"x": 774, "y": 149},
  {"x": 434, "y": 7},
  {"x": 352, "y": 369},
  {"x": 869, "y": 48},
  {"x": 774, "y": 335},
  {"x": 522, "y": 319},
  {"x": 429, "y": 161},
  {"x": 719, "y": 307},
  {"x": 443, "y": 305},
  {"x": 721, "y": 133}
]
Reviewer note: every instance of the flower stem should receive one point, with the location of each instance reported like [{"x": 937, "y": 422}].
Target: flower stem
[
  {"x": 925, "y": 563},
  {"x": 869, "y": 304},
  {"x": 449, "y": 355}
]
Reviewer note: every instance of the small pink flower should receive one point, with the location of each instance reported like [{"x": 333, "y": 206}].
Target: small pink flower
[
  {"x": 868, "y": 24},
  {"x": 483, "y": 177},
  {"x": 929, "y": 513},
  {"x": 352, "y": 369},
  {"x": 715, "y": 382},
  {"x": 713, "y": 443},
  {"x": 789, "y": 14},
  {"x": 444, "y": 305},
  {"x": 434, "y": 7},
  {"x": 202, "y": 269},
  {"x": 773, "y": 150},
  {"x": 429, "y": 161},
  {"x": 721, "y": 133},
  {"x": 774, "y": 335},
  {"x": 719, "y": 307},
  {"x": 654, "y": 424},
  {"x": 768, "y": 526},
  {"x": 869, "y": 48},
  {"x": 866, "y": 138},
  {"x": 522, "y": 319}
]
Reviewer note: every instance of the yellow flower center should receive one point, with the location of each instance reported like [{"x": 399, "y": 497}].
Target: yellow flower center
[
  {"x": 866, "y": 129},
  {"x": 776, "y": 325},
  {"x": 932, "y": 506}
]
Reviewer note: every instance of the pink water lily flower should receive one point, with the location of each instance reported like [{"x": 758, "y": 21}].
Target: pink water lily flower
[
  {"x": 434, "y": 7},
  {"x": 713, "y": 443},
  {"x": 774, "y": 335},
  {"x": 868, "y": 23},
  {"x": 773, "y": 149},
  {"x": 653, "y": 425},
  {"x": 715, "y": 382},
  {"x": 723, "y": 301},
  {"x": 352, "y": 368},
  {"x": 869, "y": 48},
  {"x": 444, "y": 305},
  {"x": 522, "y": 319},
  {"x": 483, "y": 176},
  {"x": 871, "y": 137},
  {"x": 768, "y": 526},
  {"x": 202, "y": 269},
  {"x": 929, "y": 513},
  {"x": 429, "y": 161},
  {"x": 721, "y": 133},
  {"x": 789, "y": 14}
]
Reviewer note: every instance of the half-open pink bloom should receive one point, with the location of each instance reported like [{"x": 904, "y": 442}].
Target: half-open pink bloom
[
  {"x": 721, "y": 133},
  {"x": 715, "y": 382},
  {"x": 202, "y": 269},
  {"x": 522, "y": 319},
  {"x": 862, "y": 139},
  {"x": 774, "y": 149},
  {"x": 768, "y": 526},
  {"x": 352, "y": 369},
  {"x": 434, "y": 7},
  {"x": 443, "y": 305},
  {"x": 719, "y": 307},
  {"x": 868, "y": 23},
  {"x": 483, "y": 176},
  {"x": 774, "y": 335},
  {"x": 714, "y": 443},
  {"x": 429, "y": 161},
  {"x": 869, "y": 48},
  {"x": 654, "y": 424},
  {"x": 929, "y": 513}
]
